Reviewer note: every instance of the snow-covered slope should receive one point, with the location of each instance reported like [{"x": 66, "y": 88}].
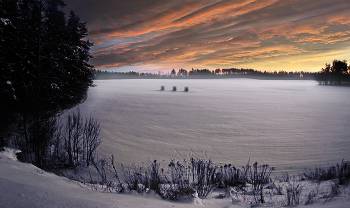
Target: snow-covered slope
[{"x": 24, "y": 185}]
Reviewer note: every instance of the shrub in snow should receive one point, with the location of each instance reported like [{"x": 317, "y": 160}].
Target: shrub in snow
[
  {"x": 292, "y": 194},
  {"x": 341, "y": 172}
]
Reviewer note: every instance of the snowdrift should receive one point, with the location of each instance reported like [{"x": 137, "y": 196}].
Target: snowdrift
[{"x": 24, "y": 185}]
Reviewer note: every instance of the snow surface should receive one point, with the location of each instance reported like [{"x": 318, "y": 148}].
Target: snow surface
[
  {"x": 288, "y": 124},
  {"x": 24, "y": 185}
]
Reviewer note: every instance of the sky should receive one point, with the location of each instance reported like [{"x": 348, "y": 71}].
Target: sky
[{"x": 265, "y": 35}]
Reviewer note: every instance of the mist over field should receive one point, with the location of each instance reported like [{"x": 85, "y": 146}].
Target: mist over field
[{"x": 287, "y": 124}]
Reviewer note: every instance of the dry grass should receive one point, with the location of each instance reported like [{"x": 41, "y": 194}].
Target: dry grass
[{"x": 250, "y": 184}]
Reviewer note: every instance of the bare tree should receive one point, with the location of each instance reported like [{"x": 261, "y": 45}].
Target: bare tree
[{"x": 91, "y": 139}]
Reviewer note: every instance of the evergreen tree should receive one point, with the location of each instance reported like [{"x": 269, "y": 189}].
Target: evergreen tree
[
  {"x": 78, "y": 49},
  {"x": 44, "y": 57},
  {"x": 43, "y": 69},
  {"x": 8, "y": 10}
]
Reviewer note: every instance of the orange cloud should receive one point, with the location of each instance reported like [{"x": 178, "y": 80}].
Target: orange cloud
[
  {"x": 339, "y": 19},
  {"x": 224, "y": 33},
  {"x": 186, "y": 16}
]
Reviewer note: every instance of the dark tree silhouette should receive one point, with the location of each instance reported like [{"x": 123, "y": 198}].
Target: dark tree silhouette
[
  {"x": 173, "y": 72},
  {"x": 337, "y": 74},
  {"x": 44, "y": 58},
  {"x": 217, "y": 71},
  {"x": 182, "y": 72},
  {"x": 339, "y": 67},
  {"x": 43, "y": 70}
]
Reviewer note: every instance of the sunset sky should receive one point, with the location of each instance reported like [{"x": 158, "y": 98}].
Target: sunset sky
[{"x": 159, "y": 35}]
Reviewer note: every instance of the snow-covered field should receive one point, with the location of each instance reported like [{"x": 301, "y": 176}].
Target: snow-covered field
[
  {"x": 287, "y": 124},
  {"x": 24, "y": 185},
  {"x": 291, "y": 125}
]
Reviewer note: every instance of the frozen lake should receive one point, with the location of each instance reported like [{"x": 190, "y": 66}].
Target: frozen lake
[{"x": 287, "y": 124}]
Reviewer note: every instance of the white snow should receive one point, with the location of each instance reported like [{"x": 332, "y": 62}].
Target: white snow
[
  {"x": 288, "y": 124},
  {"x": 9, "y": 153},
  {"x": 24, "y": 185},
  {"x": 5, "y": 21}
]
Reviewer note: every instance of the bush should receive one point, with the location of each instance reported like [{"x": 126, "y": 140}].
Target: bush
[
  {"x": 195, "y": 176},
  {"x": 178, "y": 178},
  {"x": 341, "y": 172},
  {"x": 258, "y": 176},
  {"x": 203, "y": 176},
  {"x": 321, "y": 174},
  {"x": 293, "y": 192},
  {"x": 78, "y": 140},
  {"x": 133, "y": 177},
  {"x": 231, "y": 176},
  {"x": 156, "y": 178},
  {"x": 48, "y": 144},
  {"x": 33, "y": 134}
]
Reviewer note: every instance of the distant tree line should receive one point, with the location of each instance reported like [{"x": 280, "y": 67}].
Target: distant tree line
[
  {"x": 337, "y": 74},
  {"x": 98, "y": 74},
  {"x": 43, "y": 71},
  {"x": 206, "y": 73}
]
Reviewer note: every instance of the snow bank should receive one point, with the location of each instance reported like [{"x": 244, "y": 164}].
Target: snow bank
[
  {"x": 24, "y": 185},
  {"x": 9, "y": 153}
]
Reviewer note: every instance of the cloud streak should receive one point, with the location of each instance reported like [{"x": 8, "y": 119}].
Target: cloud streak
[{"x": 259, "y": 34}]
